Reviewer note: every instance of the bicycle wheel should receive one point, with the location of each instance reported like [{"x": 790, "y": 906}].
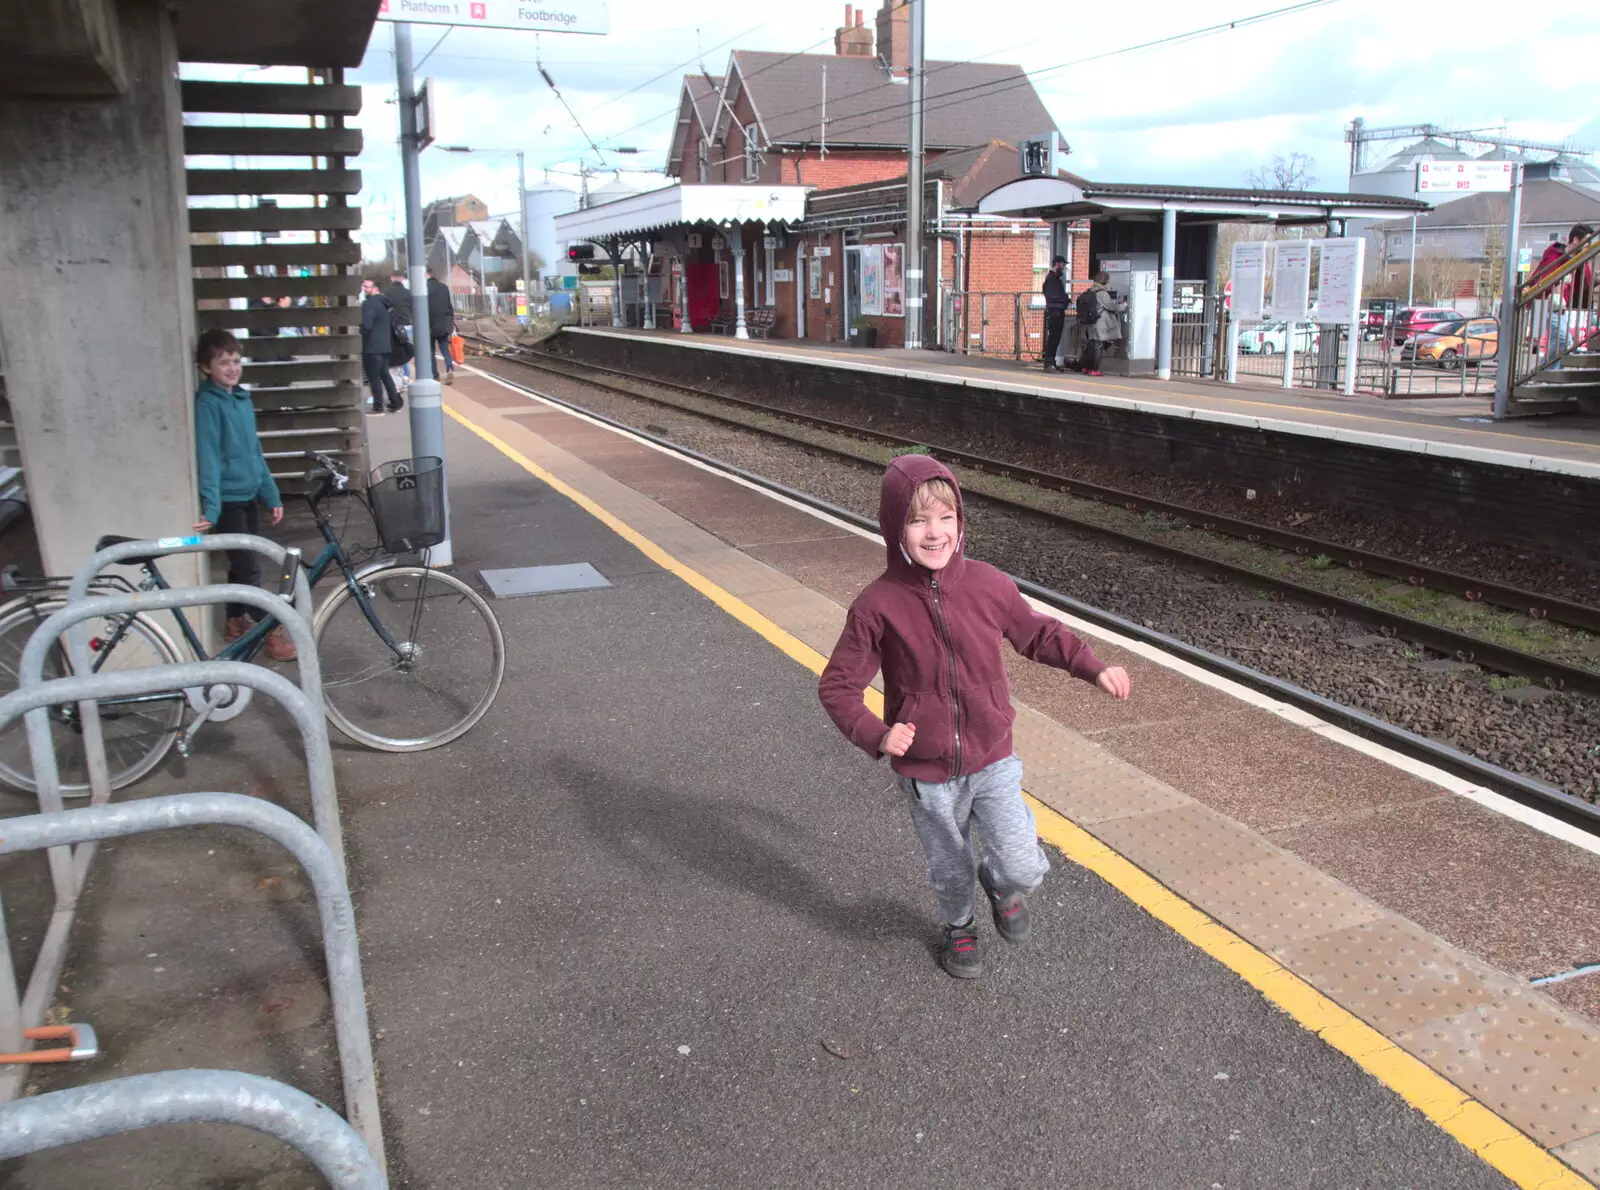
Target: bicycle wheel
[
  {"x": 137, "y": 734},
  {"x": 438, "y": 680}
]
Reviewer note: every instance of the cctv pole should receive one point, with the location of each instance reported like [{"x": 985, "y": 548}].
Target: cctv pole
[
  {"x": 913, "y": 260},
  {"x": 427, "y": 412},
  {"x": 522, "y": 221}
]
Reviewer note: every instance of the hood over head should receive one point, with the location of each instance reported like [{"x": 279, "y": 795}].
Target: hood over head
[{"x": 901, "y": 479}]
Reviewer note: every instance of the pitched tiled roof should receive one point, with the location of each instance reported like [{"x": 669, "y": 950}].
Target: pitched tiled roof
[
  {"x": 700, "y": 94},
  {"x": 968, "y": 103},
  {"x": 1548, "y": 200}
]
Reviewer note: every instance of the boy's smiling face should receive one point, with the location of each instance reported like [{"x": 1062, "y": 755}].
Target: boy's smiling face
[
  {"x": 933, "y": 531},
  {"x": 225, "y": 368}
]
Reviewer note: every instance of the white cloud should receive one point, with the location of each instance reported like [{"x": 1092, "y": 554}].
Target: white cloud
[{"x": 1203, "y": 111}]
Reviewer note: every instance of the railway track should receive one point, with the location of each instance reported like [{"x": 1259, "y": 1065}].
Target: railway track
[
  {"x": 1451, "y": 643},
  {"x": 1523, "y": 788}
]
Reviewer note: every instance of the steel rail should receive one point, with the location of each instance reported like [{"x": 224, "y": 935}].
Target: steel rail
[
  {"x": 1534, "y": 604},
  {"x": 1528, "y": 791},
  {"x": 1458, "y": 645}
]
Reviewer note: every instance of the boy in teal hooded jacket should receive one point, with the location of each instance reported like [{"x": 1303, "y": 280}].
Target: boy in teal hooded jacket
[{"x": 234, "y": 478}]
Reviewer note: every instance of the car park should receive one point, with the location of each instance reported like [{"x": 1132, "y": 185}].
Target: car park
[
  {"x": 1413, "y": 320},
  {"x": 1449, "y": 343},
  {"x": 1270, "y": 338}
]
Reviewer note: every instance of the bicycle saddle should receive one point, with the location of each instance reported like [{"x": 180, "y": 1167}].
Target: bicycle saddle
[{"x": 111, "y": 539}]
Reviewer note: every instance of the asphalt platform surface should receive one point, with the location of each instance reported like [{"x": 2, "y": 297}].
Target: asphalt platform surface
[{"x": 654, "y": 923}]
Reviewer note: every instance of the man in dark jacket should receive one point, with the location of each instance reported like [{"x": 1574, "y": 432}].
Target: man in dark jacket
[
  {"x": 441, "y": 325},
  {"x": 377, "y": 338},
  {"x": 1055, "y": 312}
]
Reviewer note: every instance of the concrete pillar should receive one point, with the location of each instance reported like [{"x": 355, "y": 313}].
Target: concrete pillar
[
  {"x": 97, "y": 309},
  {"x": 736, "y": 244},
  {"x": 1169, "y": 252},
  {"x": 614, "y": 252}
]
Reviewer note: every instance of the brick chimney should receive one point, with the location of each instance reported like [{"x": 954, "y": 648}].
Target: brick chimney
[
  {"x": 894, "y": 37},
  {"x": 853, "y": 39}
]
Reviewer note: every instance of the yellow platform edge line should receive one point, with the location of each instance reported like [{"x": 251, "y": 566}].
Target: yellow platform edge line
[{"x": 1492, "y": 1139}]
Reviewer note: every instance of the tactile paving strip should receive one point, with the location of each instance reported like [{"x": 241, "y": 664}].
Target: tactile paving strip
[
  {"x": 1392, "y": 974},
  {"x": 1182, "y": 845},
  {"x": 1281, "y": 900},
  {"x": 1524, "y": 1059}
]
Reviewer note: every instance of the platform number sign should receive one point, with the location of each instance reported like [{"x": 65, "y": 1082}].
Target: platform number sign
[{"x": 554, "y": 16}]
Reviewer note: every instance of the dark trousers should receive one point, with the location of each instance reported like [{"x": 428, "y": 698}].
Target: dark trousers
[
  {"x": 1089, "y": 361},
  {"x": 376, "y": 365},
  {"x": 1054, "y": 322},
  {"x": 441, "y": 344},
  {"x": 244, "y": 566}
]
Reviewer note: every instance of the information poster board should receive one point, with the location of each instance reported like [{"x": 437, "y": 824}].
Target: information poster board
[
  {"x": 1291, "y": 282},
  {"x": 894, "y": 280},
  {"x": 1339, "y": 280},
  {"x": 872, "y": 279},
  {"x": 1248, "y": 279}
]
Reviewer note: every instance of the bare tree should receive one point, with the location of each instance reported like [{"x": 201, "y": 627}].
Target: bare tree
[{"x": 1297, "y": 171}]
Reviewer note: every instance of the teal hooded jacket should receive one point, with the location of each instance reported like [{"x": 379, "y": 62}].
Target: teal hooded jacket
[{"x": 232, "y": 469}]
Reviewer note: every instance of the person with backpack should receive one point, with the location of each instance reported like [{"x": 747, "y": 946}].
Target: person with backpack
[
  {"x": 441, "y": 327},
  {"x": 1100, "y": 318},
  {"x": 378, "y": 333}
]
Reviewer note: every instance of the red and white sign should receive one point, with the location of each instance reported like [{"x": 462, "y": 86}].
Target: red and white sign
[
  {"x": 542, "y": 16},
  {"x": 1463, "y": 177}
]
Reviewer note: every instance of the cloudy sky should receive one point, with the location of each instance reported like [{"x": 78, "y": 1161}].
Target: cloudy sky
[{"x": 1205, "y": 110}]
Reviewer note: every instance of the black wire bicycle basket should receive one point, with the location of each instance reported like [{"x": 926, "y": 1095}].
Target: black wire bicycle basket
[{"x": 407, "y": 498}]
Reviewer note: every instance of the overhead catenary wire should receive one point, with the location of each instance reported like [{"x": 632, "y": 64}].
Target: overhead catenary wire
[{"x": 1028, "y": 78}]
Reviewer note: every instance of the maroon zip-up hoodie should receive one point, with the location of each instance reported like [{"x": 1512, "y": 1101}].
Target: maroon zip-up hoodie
[{"x": 936, "y": 636}]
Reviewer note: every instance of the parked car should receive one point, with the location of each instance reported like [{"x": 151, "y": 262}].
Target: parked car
[
  {"x": 1413, "y": 320},
  {"x": 1380, "y": 313},
  {"x": 1448, "y": 343},
  {"x": 1271, "y": 337}
]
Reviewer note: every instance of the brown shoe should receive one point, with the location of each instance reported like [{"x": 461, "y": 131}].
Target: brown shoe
[
  {"x": 279, "y": 646},
  {"x": 235, "y": 627}
]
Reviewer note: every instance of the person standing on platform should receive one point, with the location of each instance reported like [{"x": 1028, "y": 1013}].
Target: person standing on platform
[
  {"x": 441, "y": 326},
  {"x": 234, "y": 478},
  {"x": 377, "y": 342},
  {"x": 933, "y": 622},
  {"x": 1055, "y": 312},
  {"x": 399, "y": 295},
  {"x": 1100, "y": 316}
]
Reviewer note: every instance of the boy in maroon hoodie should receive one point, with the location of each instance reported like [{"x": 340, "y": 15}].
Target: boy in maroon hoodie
[{"x": 933, "y": 622}]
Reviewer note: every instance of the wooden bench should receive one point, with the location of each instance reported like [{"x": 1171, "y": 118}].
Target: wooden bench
[{"x": 758, "y": 323}]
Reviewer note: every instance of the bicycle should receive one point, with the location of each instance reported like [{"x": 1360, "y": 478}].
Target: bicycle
[{"x": 412, "y": 657}]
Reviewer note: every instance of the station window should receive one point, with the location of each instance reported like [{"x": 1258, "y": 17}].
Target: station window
[
  {"x": 1041, "y": 251},
  {"x": 752, "y": 162},
  {"x": 705, "y": 159}
]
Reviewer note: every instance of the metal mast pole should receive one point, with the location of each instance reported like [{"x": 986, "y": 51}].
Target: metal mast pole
[
  {"x": 913, "y": 259},
  {"x": 522, "y": 220},
  {"x": 427, "y": 413},
  {"x": 1505, "y": 362}
]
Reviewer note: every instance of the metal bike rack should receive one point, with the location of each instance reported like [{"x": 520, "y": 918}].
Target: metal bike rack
[
  {"x": 69, "y": 619},
  {"x": 193, "y": 1097},
  {"x": 126, "y": 551},
  {"x": 68, "y": 867},
  {"x": 340, "y": 946}
]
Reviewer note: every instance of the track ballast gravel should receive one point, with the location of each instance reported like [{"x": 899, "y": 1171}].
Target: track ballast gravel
[{"x": 1552, "y": 736}]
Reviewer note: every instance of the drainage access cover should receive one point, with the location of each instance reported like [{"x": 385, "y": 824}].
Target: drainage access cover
[{"x": 542, "y": 580}]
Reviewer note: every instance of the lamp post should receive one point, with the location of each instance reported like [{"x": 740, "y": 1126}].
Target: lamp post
[{"x": 522, "y": 207}]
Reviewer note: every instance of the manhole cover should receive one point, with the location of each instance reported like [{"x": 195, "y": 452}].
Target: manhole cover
[{"x": 542, "y": 580}]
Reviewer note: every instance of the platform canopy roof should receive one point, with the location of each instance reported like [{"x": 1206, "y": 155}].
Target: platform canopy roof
[
  {"x": 683, "y": 206},
  {"x": 1071, "y": 197}
]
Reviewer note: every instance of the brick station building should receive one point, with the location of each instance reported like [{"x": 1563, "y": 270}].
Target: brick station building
[{"x": 835, "y": 125}]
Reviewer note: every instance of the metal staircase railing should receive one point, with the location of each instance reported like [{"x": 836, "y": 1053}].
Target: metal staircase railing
[{"x": 1555, "y": 333}]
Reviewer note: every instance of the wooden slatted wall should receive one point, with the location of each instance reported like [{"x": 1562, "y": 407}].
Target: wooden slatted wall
[{"x": 302, "y": 363}]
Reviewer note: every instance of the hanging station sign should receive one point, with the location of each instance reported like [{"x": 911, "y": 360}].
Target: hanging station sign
[
  {"x": 1463, "y": 177},
  {"x": 557, "y": 16}
]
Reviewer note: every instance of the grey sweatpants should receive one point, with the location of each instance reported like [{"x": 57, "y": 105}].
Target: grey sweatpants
[{"x": 943, "y": 813}]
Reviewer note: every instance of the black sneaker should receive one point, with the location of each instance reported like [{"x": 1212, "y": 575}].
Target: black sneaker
[
  {"x": 1010, "y": 909},
  {"x": 962, "y": 953}
]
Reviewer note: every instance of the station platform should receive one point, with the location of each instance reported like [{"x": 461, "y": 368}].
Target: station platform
[
  {"x": 654, "y": 922},
  {"x": 1450, "y": 427}
]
